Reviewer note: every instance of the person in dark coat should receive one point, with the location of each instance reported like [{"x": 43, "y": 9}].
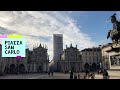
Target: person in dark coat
[
  {"x": 92, "y": 75},
  {"x": 105, "y": 74},
  {"x": 86, "y": 72},
  {"x": 49, "y": 73},
  {"x": 52, "y": 72},
  {"x": 75, "y": 76},
  {"x": 98, "y": 71},
  {"x": 78, "y": 75},
  {"x": 71, "y": 75}
]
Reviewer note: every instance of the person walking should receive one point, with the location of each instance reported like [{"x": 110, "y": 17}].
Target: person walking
[
  {"x": 84, "y": 77},
  {"x": 78, "y": 75},
  {"x": 92, "y": 75},
  {"x": 98, "y": 71},
  {"x": 49, "y": 73},
  {"x": 75, "y": 75},
  {"x": 71, "y": 75},
  {"x": 105, "y": 74},
  {"x": 86, "y": 72},
  {"x": 52, "y": 73}
]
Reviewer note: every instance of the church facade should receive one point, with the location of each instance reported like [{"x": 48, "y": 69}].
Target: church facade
[
  {"x": 12, "y": 64},
  {"x": 71, "y": 59},
  {"x": 36, "y": 60},
  {"x": 39, "y": 60}
]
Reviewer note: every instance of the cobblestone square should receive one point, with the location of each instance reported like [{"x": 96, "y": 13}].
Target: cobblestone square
[{"x": 113, "y": 75}]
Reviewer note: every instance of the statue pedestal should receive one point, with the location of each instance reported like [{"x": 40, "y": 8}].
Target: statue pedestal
[{"x": 108, "y": 51}]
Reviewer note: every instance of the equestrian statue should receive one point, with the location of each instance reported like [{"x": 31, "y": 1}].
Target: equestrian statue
[{"x": 115, "y": 33}]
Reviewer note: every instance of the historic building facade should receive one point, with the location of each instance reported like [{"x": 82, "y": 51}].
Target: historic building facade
[
  {"x": 91, "y": 58},
  {"x": 12, "y": 64},
  {"x": 35, "y": 61},
  {"x": 39, "y": 61},
  {"x": 71, "y": 59}
]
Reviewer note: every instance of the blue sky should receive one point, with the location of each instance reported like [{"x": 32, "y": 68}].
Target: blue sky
[
  {"x": 94, "y": 23},
  {"x": 84, "y": 28}
]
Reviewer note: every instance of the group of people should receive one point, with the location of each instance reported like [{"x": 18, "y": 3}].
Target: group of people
[
  {"x": 78, "y": 76},
  {"x": 89, "y": 74},
  {"x": 105, "y": 75},
  {"x": 73, "y": 75}
]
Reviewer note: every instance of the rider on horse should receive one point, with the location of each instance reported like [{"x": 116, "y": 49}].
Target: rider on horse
[{"x": 115, "y": 33}]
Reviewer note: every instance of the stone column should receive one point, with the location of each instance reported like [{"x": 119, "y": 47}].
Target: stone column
[
  {"x": 26, "y": 67},
  {"x": 65, "y": 66},
  {"x": 109, "y": 62},
  {"x": 34, "y": 67},
  {"x": 117, "y": 61},
  {"x": 0, "y": 67},
  {"x": 44, "y": 66},
  {"x": 80, "y": 66},
  {"x": 31, "y": 67},
  {"x": 69, "y": 66}
]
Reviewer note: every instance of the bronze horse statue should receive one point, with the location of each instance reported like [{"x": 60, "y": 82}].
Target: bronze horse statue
[{"x": 115, "y": 33}]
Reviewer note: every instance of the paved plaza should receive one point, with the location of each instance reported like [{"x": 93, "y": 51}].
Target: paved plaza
[{"x": 113, "y": 75}]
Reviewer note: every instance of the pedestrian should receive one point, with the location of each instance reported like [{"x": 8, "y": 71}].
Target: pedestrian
[
  {"x": 101, "y": 71},
  {"x": 78, "y": 75},
  {"x": 84, "y": 77},
  {"x": 71, "y": 75},
  {"x": 86, "y": 72},
  {"x": 49, "y": 73},
  {"x": 52, "y": 73},
  {"x": 92, "y": 75},
  {"x": 105, "y": 74},
  {"x": 75, "y": 76},
  {"x": 98, "y": 72}
]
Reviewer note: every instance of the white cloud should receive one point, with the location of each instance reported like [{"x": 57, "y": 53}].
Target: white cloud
[{"x": 34, "y": 25}]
